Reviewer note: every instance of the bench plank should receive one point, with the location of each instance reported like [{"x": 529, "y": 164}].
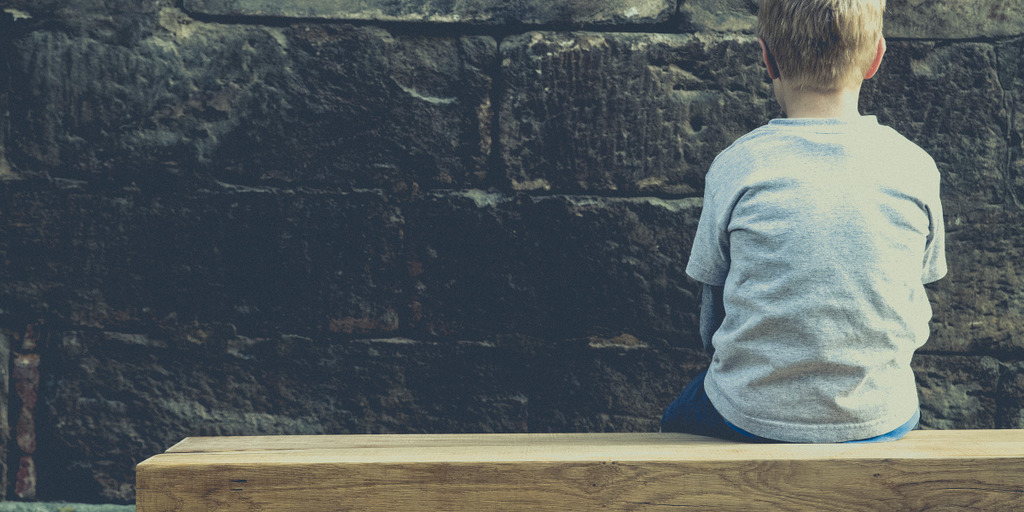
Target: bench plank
[{"x": 965, "y": 470}]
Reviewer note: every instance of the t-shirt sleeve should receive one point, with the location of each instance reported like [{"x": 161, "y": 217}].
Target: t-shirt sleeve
[
  {"x": 935, "y": 246},
  {"x": 709, "y": 256}
]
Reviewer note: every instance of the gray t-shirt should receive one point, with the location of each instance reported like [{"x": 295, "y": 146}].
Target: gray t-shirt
[{"x": 822, "y": 233}]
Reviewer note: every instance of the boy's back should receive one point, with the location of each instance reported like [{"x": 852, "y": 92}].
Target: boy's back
[
  {"x": 816, "y": 230},
  {"x": 817, "y": 236}
]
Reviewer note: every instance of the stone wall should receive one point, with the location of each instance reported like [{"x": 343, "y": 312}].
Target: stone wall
[{"x": 328, "y": 216}]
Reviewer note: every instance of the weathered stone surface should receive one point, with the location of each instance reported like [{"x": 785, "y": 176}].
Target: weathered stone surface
[
  {"x": 618, "y": 383},
  {"x": 1010, "y": 55},
  {"x": 957, "y": 392},
  {"x": 719, "y": 15},
  {"x": 366, "y": 108},
  {"x": 83, "y": 108},
  {"x": 312, "y": 104},
  {"x": 921, "y": 19},
  {"x": 552, "y": 267},
  {"x": 954, "y": 19},
  {"x": 119, "y": 22},
  {"x": 6, "y": 32},
  {"x": 1010, "y": 397},
  {"x": 473, "y": 11},
  {"x": 259, "y": 260},
  {"x": 625, "y": 113}
]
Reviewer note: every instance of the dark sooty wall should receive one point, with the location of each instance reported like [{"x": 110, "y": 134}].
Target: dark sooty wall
[{"x": 328, "y": 216}]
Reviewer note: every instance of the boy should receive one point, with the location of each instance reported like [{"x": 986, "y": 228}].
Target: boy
[{"x": 817, "y": 236}]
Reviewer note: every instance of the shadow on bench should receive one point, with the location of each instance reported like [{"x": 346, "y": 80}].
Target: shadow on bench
[{"x": 928, "y": 470}]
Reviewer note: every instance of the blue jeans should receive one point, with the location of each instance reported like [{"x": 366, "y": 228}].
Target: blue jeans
[{"x": 693, "y": 413}]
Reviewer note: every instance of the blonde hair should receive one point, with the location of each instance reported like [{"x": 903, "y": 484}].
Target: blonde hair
[{"x": 821, "y": 45}]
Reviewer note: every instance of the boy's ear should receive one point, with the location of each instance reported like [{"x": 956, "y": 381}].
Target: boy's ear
[
  {"x": 769, "y": 60},
  {"x": 878, "y": 59}
]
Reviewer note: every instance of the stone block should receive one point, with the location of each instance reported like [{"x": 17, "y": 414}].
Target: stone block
[
  {"x": 922, "y": 19},
  {"x": 118, "y": 22},
  {"x": 261, "y": 260},
  {"x": 321, "y": 105},
  {"x": 957, "y": 392},
  {"x": 6, "y": 30},
  {"x": 555, "y": 267},
  {"x": 375, "y": 110},
  {"x": 473, "y": 11},
  {"x": 719, "y": 15},
  {"x": 85, "y": 109},
  {"x": 631, "y": 114},
  {"x": 954, "y": 19},
  {"x": 1010, "y": 55},
  {"x": 1010, "y": 397}
]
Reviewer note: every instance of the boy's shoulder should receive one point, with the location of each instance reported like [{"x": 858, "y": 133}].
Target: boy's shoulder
[
  {"x": 744, "y": 154},
  {"x": 783, "y": 143},
  {"x": 862, "y": 131}
]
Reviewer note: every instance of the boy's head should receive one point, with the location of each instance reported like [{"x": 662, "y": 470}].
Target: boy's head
[{"x": 821, "y": 45}]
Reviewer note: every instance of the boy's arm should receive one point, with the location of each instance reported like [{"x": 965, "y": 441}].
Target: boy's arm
[{"x": 712, "y": 311}]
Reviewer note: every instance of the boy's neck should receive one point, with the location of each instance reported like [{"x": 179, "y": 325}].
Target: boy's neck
[{"x": 813, "y": 104}]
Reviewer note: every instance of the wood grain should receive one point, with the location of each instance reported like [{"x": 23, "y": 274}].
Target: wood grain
[{"x": 927, "y": 470}]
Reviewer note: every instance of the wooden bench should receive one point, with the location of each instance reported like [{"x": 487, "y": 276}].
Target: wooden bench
[{"x": 928, "y": 470}]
